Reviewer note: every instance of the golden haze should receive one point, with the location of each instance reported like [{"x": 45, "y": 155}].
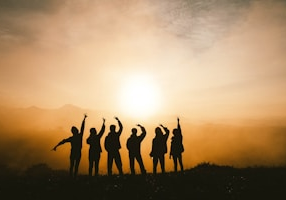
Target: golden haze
[{"x": 28, "y": 135}]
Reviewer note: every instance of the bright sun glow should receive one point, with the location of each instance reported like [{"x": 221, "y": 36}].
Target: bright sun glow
[{"x": 139, "y": 96}]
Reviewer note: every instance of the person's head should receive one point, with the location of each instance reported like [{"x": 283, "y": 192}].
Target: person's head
[
  {"x": 134, "y": 131},
  {"x": 93, "y": 131},
  {"x": 158, "y": 131},
  {"x": 175, "y": 132},
  {"x": 112, "y": 128},
  {"x": 74, "y": 130}
]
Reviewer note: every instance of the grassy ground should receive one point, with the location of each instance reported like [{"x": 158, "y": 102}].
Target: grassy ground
[{"x": 205, "y": 181}]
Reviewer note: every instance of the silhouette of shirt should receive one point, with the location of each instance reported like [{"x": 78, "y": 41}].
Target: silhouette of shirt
[
  {"x": 159, "y": 143},
  {"x": 94, "y": 140},
  {"x": 76, "y": 144},
  {"x": 112, "y": 142},
  {"x": 177, "y": 142},
  {"x": 134, "y": 143}
]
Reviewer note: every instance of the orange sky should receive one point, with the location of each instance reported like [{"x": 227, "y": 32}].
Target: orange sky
[
  {"x": 214, "y": 62},
  {"x": 205, "y": 59}
]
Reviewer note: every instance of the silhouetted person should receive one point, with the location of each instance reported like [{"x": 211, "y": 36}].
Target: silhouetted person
[
  {"x": 76, "y": 145},
  {"x": 94, "y": 148},
  {"x": 112, "y": 146},
  {"x": 159, "y": 148},
  {"x": 177, "y": 147},
  {"x": 134, "y": 145}
]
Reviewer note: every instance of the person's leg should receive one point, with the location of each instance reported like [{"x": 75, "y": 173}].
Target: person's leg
[
  {"x": 140, "y": 162},
  {"x": 162, "y": 163},
  {"x": 118, "y": 162},
  {"x": 96, "y": 164},
  {"x": 155, "y": 162},
  {"x": 131, "y": 163},
  {"x": 76, "y": 166},
  {"x": 90, "y": 167},
  {"x": 109, "y": 163},
  {"x": 72, "y": 161},
  {"x": 175, "y": 160},
  {"x": 181, "y": 162}
]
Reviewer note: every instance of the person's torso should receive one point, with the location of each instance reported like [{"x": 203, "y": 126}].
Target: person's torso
[
  {"x": 94, "y": 142},
  {"x": 112, "y": 142},
  {"x": 159, "y": 145},
  {"x": 134, "y": 144},
  {"x": 76, "y": 142}
]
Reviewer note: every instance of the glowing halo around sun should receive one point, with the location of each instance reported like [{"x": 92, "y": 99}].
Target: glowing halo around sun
[{"x": 139, "y": 96}]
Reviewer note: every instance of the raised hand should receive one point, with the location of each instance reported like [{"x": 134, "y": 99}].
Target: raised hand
[
  {"x": 164, "y": 127},
  {"x": 103, "y": 120}
]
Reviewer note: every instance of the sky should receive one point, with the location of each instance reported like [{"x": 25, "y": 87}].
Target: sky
[
  {"x": 207, "y": 59},
  {"x": 202, "y": 60}
]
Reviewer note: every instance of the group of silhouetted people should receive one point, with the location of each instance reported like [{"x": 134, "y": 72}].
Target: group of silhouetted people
[{"x": 112, "y": 146}]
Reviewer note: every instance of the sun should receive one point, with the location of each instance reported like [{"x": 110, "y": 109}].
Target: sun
[{"x": 139, "y": 96}]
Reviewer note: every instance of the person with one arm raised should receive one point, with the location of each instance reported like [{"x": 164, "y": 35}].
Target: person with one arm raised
[
  {"x": 112, "y": 146},
  {"x": 76, "y": 145},
  {"x": 134, "y": 147},
  {"x": 94, "y": 149},
  {"x": 177, "y": 147},
  {"x": 159, "y": 148}
]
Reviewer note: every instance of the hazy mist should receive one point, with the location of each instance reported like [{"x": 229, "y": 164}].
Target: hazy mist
[{"x": 28, "y": 142}]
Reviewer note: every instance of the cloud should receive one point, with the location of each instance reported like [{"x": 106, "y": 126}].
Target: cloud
[
  {"x": 28, "y": 5},
  {"x": 242, "y": 74},
  {"x": 202, "y": 23},
  {"x": 194, "y": 49},
  {"x": 16, "y": 17}
]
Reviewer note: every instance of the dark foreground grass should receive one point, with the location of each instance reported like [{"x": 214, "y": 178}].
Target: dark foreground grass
[{"x": 205, "y": 181}]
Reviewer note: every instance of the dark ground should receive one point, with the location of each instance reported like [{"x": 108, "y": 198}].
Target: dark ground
[{"x": 205, "y": 181}]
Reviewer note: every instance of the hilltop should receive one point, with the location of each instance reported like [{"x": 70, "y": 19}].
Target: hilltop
[{"x": 205, "y": 181}]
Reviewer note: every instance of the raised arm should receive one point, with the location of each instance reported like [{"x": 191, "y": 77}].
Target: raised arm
[
  {"x": 167, "y": 132},
  {"x": 83, "y": 124},
  {"x": 143, "y": 134},
  {"x": 102, "y": 129},
  {"x": 179, "y": 127},
  {"x": 120, "y": 126}
]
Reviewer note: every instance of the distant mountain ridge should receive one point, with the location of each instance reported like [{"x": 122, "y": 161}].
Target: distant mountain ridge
[{"x": 36, "y": 117}]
